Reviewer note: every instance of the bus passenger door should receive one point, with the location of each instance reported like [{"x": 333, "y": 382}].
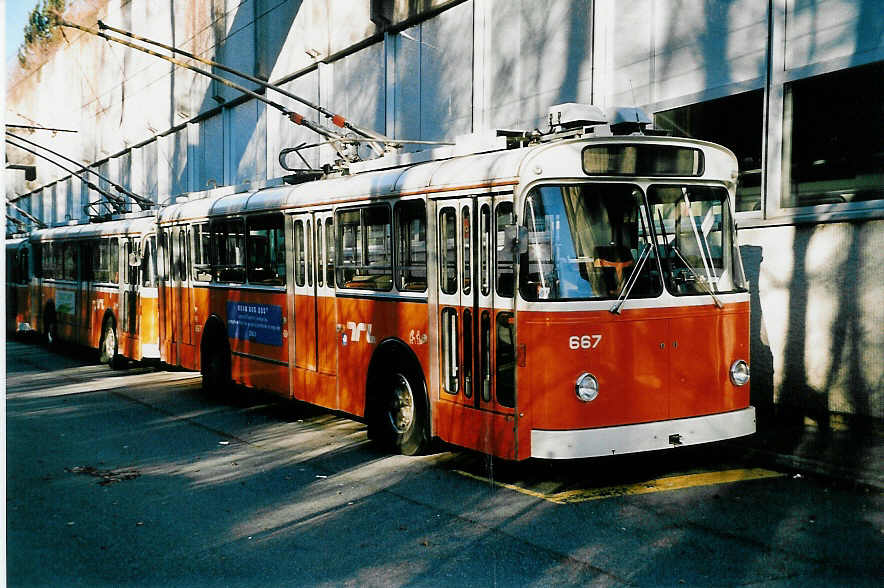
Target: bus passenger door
[
  {"x": 326, "y": 313},
  {"x": 305, "y": 293},
  {"x": 180, "y": 307},
  {"x": 315, "y": 346},
  {"x": 129, "y": 302},
  {"x": 146, "y": 290},
  {"x": 470, "y": 327}
]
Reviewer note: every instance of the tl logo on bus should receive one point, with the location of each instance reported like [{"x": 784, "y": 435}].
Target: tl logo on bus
[{"x": 356, "y": 330}]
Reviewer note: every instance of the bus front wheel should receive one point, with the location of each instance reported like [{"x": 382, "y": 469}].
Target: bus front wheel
[{"x": 400, "y": 416}]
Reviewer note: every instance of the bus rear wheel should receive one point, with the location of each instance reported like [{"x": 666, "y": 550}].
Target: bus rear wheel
[
  {"x": 216, "y": 372},
  {"x": 109, "y": 347},
  {"x": 51, "y": 332},
  {"x": 400, "y": 414}
]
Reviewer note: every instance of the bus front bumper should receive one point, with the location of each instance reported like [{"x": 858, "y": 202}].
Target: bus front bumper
[{"x": 604, "y": 441}]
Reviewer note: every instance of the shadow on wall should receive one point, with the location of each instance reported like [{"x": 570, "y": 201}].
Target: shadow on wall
[
  {"x": 761, "y": 357},
  {"x": 831, "y": 302}
]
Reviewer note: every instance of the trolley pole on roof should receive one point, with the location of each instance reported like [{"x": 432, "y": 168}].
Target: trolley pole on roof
[
  {"x": 338, "y": 141},
  {"x": 27, "y": 215},
  {"x": 117, "y": 202},
  {"x": 20, "y": 223},
  {"x": 143, "y": 202},
  {"x": 376, "y": 140}
]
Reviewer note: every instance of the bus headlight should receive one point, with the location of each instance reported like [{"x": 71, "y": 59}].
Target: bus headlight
[
  {"x": 740, "y": 372},
  {"x": 587, "y": 387}
]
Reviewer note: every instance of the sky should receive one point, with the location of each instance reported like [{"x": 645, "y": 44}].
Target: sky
[{"x": 16, "y": 17}]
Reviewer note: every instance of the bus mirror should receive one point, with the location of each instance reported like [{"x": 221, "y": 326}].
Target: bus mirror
[
  {"x": 134, "y": 261},
  {"x": 515, "y": 236}
]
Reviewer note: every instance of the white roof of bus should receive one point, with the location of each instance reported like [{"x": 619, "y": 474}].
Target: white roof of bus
[
  {"x": 478, "y": 171},
  {"x": 15, "y": 242},
  {"x": 465, "y": 171},
  {"x": 128, "y": 226}
]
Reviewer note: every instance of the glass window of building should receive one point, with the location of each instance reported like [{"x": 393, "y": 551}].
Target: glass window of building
[
  {"x": 735, "y": 122},
  {"x": 833, "y": 151}
]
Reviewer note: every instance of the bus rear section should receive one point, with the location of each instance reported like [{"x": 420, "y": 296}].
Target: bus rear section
[
  {"x": 19, "y": 271},
  {"x": 96, "y": 286}
]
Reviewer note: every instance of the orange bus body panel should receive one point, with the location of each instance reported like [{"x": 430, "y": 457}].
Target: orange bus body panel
[
  {"x": 364, "y": 320},
  {"x": 651, "y": 364}
]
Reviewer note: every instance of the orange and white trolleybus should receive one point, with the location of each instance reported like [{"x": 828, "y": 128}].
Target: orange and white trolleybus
[
  {"x": 95, "y": 285},
  {"x": 562, "y": 295}
]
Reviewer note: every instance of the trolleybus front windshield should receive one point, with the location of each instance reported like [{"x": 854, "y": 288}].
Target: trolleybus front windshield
[
  {"x": 585, "y": 242},
  {"x": 696, "y": 239}
]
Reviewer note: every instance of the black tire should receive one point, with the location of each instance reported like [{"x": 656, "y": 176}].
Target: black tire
[
  {"x": 215, "y": 368},
  {"x": 109, "y": 346},
  {"x": 398, "y": 415},
  {"x": 51, "y": 333}
]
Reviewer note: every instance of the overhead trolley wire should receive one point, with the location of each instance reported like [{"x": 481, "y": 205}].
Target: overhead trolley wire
[
  {"x": 336, "y": 138},
  {"x": 375, "y": 139},
  {"x": 116, "y": 201},
  {"x": 143, "y": 202}
]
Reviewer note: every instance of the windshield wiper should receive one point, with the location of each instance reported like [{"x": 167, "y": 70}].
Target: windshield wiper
[
  {"x": 697, "y": 278},
  {"x": 632, "y": 279}
]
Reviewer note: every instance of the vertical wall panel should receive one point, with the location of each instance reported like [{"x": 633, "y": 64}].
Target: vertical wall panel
[
  {"x": 829, "y": 29},
  {"x": 684, "y": 47},
  {"x": 446, "y": 64},
  {"x": 246, "y": 143},
  {"x": 534, "y": 59},
  {"x": 210, "y": 153}
]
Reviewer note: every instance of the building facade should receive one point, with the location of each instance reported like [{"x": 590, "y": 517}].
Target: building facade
[{"x": 791, "y": 86}]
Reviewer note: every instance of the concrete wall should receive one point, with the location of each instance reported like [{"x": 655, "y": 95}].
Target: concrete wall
[
  {"x": 817, "y": 338},
  {"x": 434, "y": 69}
]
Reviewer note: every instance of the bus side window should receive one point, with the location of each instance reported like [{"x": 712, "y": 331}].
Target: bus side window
[
  {"x": 320, "y": 254},
  {"x": 229, "y": 240},
  {"x": 38, "y": 260},
  {"x": 330, "y": 253},
  {"x": 201, "y": 241},
  {"x": 485, "y": 249},
  {"x": 113, "y": 247},
  {"x": 504, "y": 259},
  {"x": 149, "y": 263},
  {"x": 448, "y": 250},
  {"x": 86, "y": 249},
  {"x": 300, "y": 254},
  {"x": 266, "y": 245},
  {"x": 365, "y": 248},
  {"x": 308, "y": 235},
  {"x": 411, "y": 250}
]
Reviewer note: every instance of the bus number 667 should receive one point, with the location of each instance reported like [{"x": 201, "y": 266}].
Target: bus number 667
[{"x": 584, "y": 342}]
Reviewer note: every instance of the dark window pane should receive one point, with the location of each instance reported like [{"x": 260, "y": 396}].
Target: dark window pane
[
  {"x": 411, "y": 260},
  {"x": 448, "y": 250},
  {"x": 835, "y": 151},
  {"x": 503, "y": 259},
  {"x": 736, "y": 122},
  {"x": 266, "y": 244}
]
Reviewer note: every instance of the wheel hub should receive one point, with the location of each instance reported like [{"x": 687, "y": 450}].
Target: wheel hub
[{"x": 401, "y": 411}]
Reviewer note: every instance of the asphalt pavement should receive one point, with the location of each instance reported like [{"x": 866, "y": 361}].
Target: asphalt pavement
[{"x": 138, "y": 478}]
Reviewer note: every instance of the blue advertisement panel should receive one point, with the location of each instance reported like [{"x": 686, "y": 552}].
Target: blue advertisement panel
[{"x": 259, "y": 323}]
